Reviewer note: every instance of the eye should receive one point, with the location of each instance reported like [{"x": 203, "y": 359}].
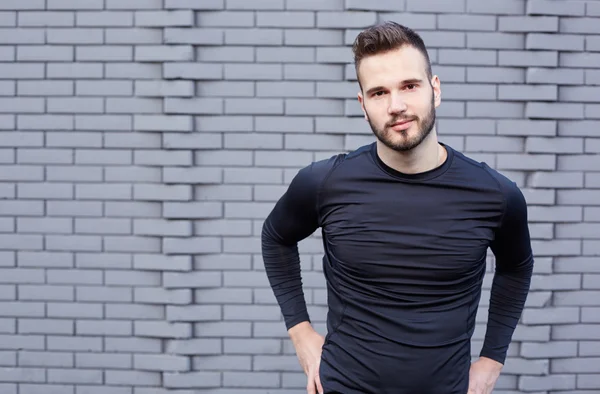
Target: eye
[
  {"x": 411, "y": 86},
  {"x": 379, "y": 93}
]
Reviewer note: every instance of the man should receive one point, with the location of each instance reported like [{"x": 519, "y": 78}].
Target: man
[{"x": 406, "y": 224}]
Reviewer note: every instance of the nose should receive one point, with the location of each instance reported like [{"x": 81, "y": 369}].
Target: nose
[{"x": 397, "y": 104}]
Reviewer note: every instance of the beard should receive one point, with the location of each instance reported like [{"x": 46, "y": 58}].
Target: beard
[{"x": 406, "y": 143}]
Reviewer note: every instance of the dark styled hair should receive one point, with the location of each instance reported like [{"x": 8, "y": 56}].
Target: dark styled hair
[{"x": 384, "y": 37}]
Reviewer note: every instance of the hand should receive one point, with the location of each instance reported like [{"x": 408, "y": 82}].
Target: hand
[
  {"x": 308, "y": 344},
  {"x": 483, "y": 376}
]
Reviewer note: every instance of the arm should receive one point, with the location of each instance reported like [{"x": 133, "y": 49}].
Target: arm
[
  {"x": 293, "y": 218},
  {"x": 512, "y": 278}
]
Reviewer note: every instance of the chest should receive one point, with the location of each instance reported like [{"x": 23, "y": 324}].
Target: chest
[{"x": 410, "y": 232}]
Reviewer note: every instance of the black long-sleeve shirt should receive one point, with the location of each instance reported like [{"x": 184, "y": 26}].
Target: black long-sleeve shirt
[{"x": 404, "y": 259}]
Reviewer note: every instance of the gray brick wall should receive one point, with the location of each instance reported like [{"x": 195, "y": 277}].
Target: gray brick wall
[{"x": 143, "y": 142}]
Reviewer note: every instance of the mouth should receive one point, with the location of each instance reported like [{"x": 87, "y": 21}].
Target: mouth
[{"x": 402, "y": 125}]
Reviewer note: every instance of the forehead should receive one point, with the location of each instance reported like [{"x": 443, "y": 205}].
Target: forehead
[{"x": 392, "y": 66}]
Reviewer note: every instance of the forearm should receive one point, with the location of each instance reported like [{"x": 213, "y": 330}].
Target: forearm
[
  {"x": 507, "y": 300},
  {"x": 282, "y": 266}
]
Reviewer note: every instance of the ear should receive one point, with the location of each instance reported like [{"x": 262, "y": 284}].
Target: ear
[
  {"x": 437, "y": 90},
  {"x": 361, "y": 101}
]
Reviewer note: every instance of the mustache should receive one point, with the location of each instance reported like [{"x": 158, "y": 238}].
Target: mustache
[{"x": 401, "y": 119}]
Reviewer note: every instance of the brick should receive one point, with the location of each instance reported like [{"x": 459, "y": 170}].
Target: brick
[
  {"x": 74, "y": 5},
  {"x": 321, "y": 37},
  {"x": 192, "y": 175},
  {"x": 206, "y": 106},
  {"x": 133, "y": 344},
  {"x": 162, "y": 123},
  {"x": 21, "y": 173},
  {"x": 437, "y": 6},
  {"x": 74, "y": 208},
  {"x": 22, "y": 208},
  {"x": 325, "y": 54},
  {"x": 103, "y": 360},
  {"x": 65, "y": 343},
  {"x": 192, "y": 380},
  {"x": 133, "y": 36},
  {"x": 263, "y": 36},
  {"x": 541, "y": 41},
  {"x": 162, "y": 158},
  {"x": 228, "y": 18},
  {"x": 528, "y": 92},
  {"x": 17, "y": 139},
  {"x": 536, "y": 75},
  {"x": 190, "y": 245},
  {"x": 549, "y": 7},
  {"x": 104, "y": 327},
  {"x": 551, "y": 110},
  {"x": 287, "y": 19},
  {"x": 482, "y": 109},
  {"x": 498, "y": 7},
  {"x": 467, "y": 57},
  {"x": 104, "y": 19},
  {"x": 316, "y": 72},
  {"x": 39, "y": 53},
  {"x": 577, "y": 230},
  {"x": 554, "y": 145},
  {"x": 225, "y": 89},
  {"x": 162, "y": 296},
  {"x": 510, "y": 58},
  {"x": 494, "y": 144},
  {"x": 543, "y": 383},
  {"x": 258, "y": 72},
  {"x": 579, "y": 93},
  {"x": 221, "y": 362},
  {"x": 222, "y": 193},
  {"x": 134, "y": 105},
  {"x": 134, "y": 311},
  {"x": 74, "y": 70},
  {"x": 557, "y": 179},
  {"x": 44, "y": 19},
  {"x": 72, "y": 310},
  {"x": 74, "y": 174},
  {"x": 45, "y": 225},
  {"x": 23, "y": 71},
  {"x": 196, "y": 210},
  {"x": 164, "y": 18},
  {"x": 104, "y": 54},
  {"x": 466, "y": 22},
  {"x": 577, "y": 163},
  {"x": 162, "y": 329},
  {"x": 104, "y": 293},
  {"x": 132, "y": 378},
  {"x": 25, "y": 375},
  {"x": 329, "y": 19},
  {"x": 75, "y": 36},
  {"x": 45, "y": 359},
  {"x": 45, "y": 293},
  {"x": 557, "y": 248},
  {"x": 173, "y": 70},
  {"x": 193, "y": 141},
  {"x": 578, "y": 60},
  {"x": 155, "y": 53},
  {"x": 21, "y": 105},
  {"x": 579, "y": 25},
  {"x": 232, "y": 54},
  {"x": 151, "y": 362},
  {"x": 45, "y": 88},
  {"x": 133, "y": 4},
  {"x": 528, "y": 24},
  {"x": 485, "y": 40},
  {"x": 416, "y": 20},
  {"x": 103, "y": 191},
  {"x": 133, "y": 70},
  {"x": 159, "y": 88},
  {"x": 554, "y": 315},
  {"x": 315, "y": 5}
]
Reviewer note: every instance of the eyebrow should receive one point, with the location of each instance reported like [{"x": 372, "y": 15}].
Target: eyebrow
[{"x": 405, "y": 82}]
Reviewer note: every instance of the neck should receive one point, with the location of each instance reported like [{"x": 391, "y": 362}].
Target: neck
[{"x": 425, "y": 157}]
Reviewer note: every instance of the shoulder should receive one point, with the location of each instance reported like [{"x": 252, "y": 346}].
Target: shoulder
[
  {"x": 487, "y": 177},
  {"x": 317, "y": 172}
]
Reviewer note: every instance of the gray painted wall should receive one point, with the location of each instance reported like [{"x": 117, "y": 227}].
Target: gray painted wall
[{"x": 143, "y": 143}]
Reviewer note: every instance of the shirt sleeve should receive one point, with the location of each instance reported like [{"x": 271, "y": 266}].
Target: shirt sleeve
[
  {"x": 512, "y": 277},
  {"x": 294, "y": 217}
]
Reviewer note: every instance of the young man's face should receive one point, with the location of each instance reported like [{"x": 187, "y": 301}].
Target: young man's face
[{"x": 398, "y": 98}]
